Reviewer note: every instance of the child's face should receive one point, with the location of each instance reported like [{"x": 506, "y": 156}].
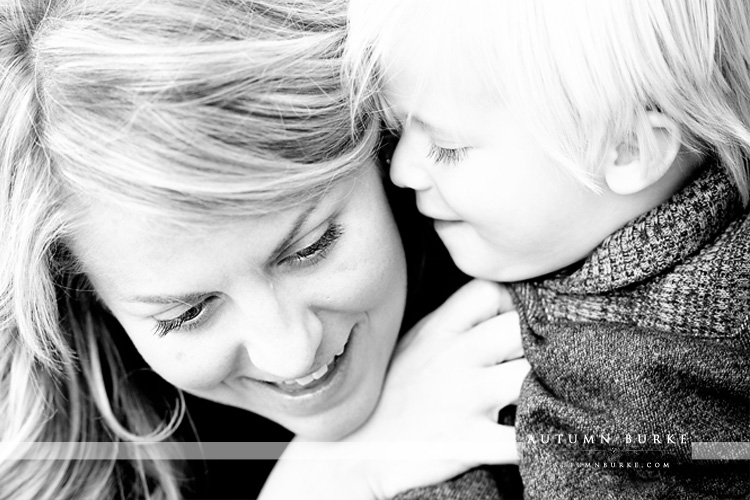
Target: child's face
[{"x": 505, "y": 210}]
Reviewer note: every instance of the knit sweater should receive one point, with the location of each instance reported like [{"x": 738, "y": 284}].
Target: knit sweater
[{"x": 638, "y": 352}]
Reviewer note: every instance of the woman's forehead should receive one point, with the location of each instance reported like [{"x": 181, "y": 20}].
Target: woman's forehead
[{"x": 118, "y": 246}]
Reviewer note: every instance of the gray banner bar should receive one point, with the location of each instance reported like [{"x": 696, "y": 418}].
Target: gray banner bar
[
  {"x": 130, "y": 451},
  {"x": 396, "y": 450},
  {"x": 721, "y": 451}
]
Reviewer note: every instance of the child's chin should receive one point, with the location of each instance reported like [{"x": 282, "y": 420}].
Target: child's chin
[
  {"x": 488, "y": 271},
  {"x": 474, "y": 266}
]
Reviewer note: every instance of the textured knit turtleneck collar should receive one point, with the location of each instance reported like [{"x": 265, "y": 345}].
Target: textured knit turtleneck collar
[{"x": 658, "y": 239}]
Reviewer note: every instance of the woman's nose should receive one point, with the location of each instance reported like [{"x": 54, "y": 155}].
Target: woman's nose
[
  {"x": 409, "y": 162},
  {"x": 282, "y": 336}
]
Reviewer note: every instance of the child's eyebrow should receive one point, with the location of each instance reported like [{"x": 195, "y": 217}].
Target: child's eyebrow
[{"x": 428, "y": 127}]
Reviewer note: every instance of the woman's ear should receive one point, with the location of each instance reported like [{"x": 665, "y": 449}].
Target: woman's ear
[{"x": 628, "y": 170}]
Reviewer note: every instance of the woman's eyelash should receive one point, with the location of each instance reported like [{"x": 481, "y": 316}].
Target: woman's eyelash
[
  {"x": 316, "y": 252},
  {"x": 445, "y": 155},
  {"x": 185, "y": 321}
]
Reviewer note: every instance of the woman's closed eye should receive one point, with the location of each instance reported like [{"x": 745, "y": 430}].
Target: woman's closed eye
[
  {"x": 191, "y": 318},
  {"x": 317, "y": 251},
  {"x": 446, "y": 156},
  {"x": 308, "y": 256}
]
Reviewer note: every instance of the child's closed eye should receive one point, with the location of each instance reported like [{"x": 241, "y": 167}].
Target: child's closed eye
[{"x": 446, "y": 156}]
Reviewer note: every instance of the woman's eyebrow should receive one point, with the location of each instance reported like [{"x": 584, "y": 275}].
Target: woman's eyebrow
[
  {"x": 187, "y": 299},
  {"x": 294, "y": 232}
]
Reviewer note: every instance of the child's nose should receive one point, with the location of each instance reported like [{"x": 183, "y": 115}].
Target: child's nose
[{"x": 408, "y": 165}]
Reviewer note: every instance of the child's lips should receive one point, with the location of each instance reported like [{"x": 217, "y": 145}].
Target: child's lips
[
  {"x": 440, "y": 224},
  {"x": 439, "y": 218},
  {"x": 438, "y": 215}
]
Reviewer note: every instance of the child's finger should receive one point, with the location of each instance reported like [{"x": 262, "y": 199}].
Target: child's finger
[
  {"x": 493, "y": 341},
  {"x": 491, "y": 443},
  {"x": 502, "y": 383},
  {"x": 473, "y": 303}
]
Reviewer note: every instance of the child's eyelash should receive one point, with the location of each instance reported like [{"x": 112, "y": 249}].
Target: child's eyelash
[{"x": 446, "y": 156}]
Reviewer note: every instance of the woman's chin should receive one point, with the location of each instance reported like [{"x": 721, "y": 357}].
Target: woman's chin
[{"x": 339, "y": 426}]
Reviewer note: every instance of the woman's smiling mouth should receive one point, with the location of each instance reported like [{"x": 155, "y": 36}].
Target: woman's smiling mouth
[
  {"x": 319, "y": 383},
  {"x": 318, "y": 375}
]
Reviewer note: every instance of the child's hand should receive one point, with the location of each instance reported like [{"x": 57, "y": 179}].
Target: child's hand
[
  {"x": 449, "y": 377},
  {"x": 436, "y": 418}
]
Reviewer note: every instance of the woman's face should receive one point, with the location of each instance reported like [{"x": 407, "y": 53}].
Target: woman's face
[{"x": 293, "y": 315}]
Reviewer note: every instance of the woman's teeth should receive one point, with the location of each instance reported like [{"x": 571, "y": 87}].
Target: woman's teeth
[
  {"x": 308, "y": 379},
  {"x": 340, "y": 351}
]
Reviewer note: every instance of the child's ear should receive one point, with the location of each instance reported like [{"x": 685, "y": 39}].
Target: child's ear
[{"x": 627, "y": 171}]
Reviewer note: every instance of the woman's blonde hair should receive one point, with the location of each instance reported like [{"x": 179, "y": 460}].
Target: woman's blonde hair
[
  {"x": 191, "y": 111},
  {"x": 580, "y": 74}
]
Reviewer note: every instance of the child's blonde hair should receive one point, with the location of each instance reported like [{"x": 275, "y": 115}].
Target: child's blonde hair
[
  {"x": 580, "y": 74},
  {"x": 192, "y": 112}
]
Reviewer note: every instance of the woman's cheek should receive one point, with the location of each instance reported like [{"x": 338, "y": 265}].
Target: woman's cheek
[
  {"x": 372, "y": 269},
  {"x": 387, "y": 269},
  {"x": 187, "y": 360},
  {"x": 370, "y": 275}
]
